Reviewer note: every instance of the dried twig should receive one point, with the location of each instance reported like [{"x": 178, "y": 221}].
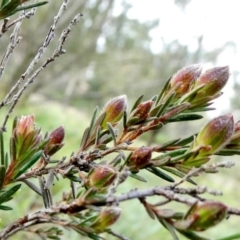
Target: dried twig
[{"x": 59, "y": 51}]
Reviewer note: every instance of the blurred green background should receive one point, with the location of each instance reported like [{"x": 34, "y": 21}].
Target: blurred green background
[{"x": 110, "y": 53}]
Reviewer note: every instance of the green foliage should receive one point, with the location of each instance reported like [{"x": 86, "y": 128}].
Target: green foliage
[
  {"x": 30, "y": 156},
  {"x": 109, "y": 154}
]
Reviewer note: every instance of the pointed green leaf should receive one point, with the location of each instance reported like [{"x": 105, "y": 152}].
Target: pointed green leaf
[
  {"x": 187, "y": 140},
  {"x": 137, "y": 103},
  {"x": 166, "y": 105},
  {"x": 155, "y": 110},
  {"x": 13, "y": 149},
  {"x": 93, "y": 120},
  {"x": 32, "y": 5},
  {"x": 185, "y": 117},
  {"x": 137, "y": 177},
  {"x": 160, "y": 174},
  {"x": 6, "y": 160},
  {"x": 28, "y": 164},
  {"x": 169, "y": 143},
  {"x": 5, "y": 208},
  {"x": 161, "y": 94},
  {"x": 112, "y": 132},
  {"x": 4, "y": 2},
  {"x": 232, "y": 237},
  {"x": 192, "y": 236},
  {"x": 169, "y": 227},
  {"x": 2, "y": 175},
  {"x": 7, "y": 194},
  {"x": 84, "y": 138},
  {"x": 8, "y": 8},
  {"x": 228, "y": 152},
  {"x": 2, "y": 148}
]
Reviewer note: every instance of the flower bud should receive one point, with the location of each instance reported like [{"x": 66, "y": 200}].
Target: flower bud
[
  {"x": 114, "y": 110},
  {"x": 101, "y": 176},
  {"x": 24, "y": 125},
  {"x": 107, "y": 217},
  {"x": 140, "y": 113},
  {"x": 25, "y": 136},
  {"x": 216, "y": 133},
  {"x": 203, "y": 216},
  {"x": 185, "y": 78},
  {"x": 55, "y": 141},
  {"x": 25, "y": 147},
  {"x": 213, "y": 81},
  {"x": 140, "y": 158}
]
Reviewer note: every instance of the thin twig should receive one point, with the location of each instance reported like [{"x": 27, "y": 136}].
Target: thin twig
[
  {"x": 79, "y": 205},
  {"x": 204, "y": 168},
  {"x": 14, "y": 40},
  {"x": 50, "y": 36},
  {"x": 58, "y": 52},
  {"x": 5, "y": 27}
]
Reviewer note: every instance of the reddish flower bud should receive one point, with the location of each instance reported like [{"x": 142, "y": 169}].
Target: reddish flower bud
[
  {"x": 140, "y": 158},
  {"x": 114, "y": 110},
  {"x": 213, "y": 81},
  {"x": 101, "y": 176},
  {"x": 216, "y": 133},
  {"x": 55, "y": 141},
  {"x": 24, "y": 125},
  {"x": 140, "y": 113},
  {"x": 184, "y": 78},
  {"x": 107, "y": 217},
  {"x": 203, "y": 216},
  {"x": 25, "y": 147}
]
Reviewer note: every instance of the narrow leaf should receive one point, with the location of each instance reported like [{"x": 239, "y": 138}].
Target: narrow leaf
[
  {"x": 93, "y": 120},
  {"x": 34, "y": 187},
  {"x": 187, "y": 140},
  {"x": 112, "y": 132},
  {"x": 160, "y": 174},
  {"x": 232, "y": 237},
  {"x": 84, "y": 138},
  {"x": 169, "y": 228},
  {"x": 165, "y": 105},
  {"x": 124, "y": 119},
  {"x": 135, "y": 176},
  {"x": 32, "y": 5},
  {"x": 13, "y": 149},
  {"x": 74, "y": 189},
  {"x": 44, "y": 193},
  {"x": 2, "y": 148},
  {"x": 5, "y": 208},
  {"x": 155, "y": 110},
  {"x": 165, "y": 87},
  {"x": 137, "y": 103},
  {"x": 29, "y": 163},
  {"x": 50, "y": 180},
  {"x": 169, "y": 143},
  {"x": 97, "y": 136},
  {"x": 192, "y": 236},
  {"x": 228, "y": 152},
  {"x": 7, "y": 194},
  {"x": 2, "y": 175},
  {"x": 185, "y": 117}
]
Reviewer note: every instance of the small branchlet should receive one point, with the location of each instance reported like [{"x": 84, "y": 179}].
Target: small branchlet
[{"x": 109, "y": 155}]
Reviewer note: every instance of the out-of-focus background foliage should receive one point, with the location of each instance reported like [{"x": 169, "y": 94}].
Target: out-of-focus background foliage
[{"x": 111, "y": 53}]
